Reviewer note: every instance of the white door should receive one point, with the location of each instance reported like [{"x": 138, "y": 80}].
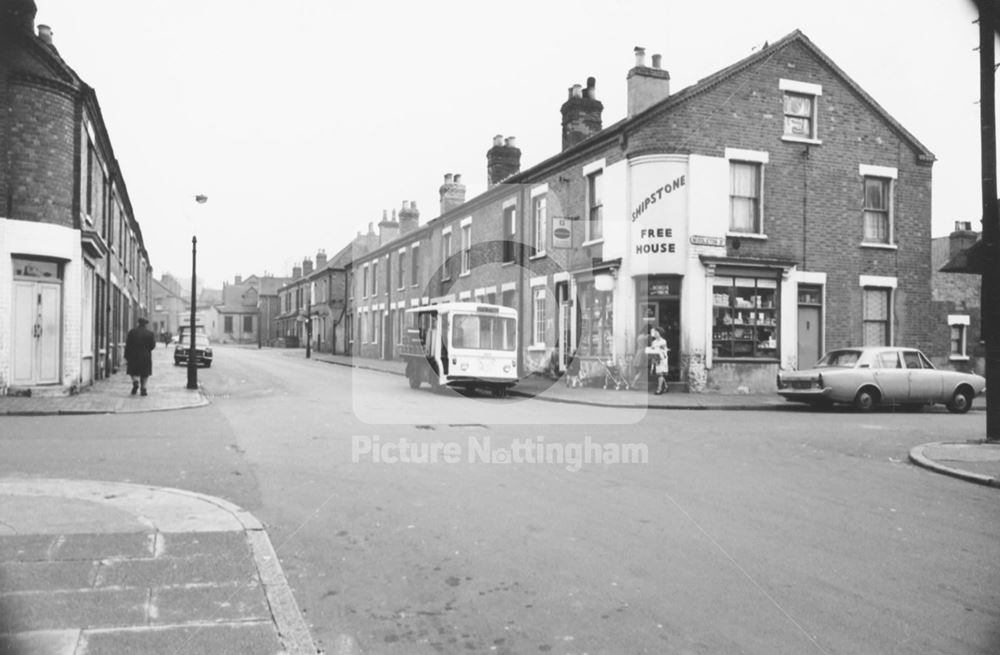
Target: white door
[{"x": 36, "y": 333}]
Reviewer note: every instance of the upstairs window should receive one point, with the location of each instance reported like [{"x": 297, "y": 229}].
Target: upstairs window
[
  {"x": 539, "y": 223},
  {"x": 415, "y": 265},
  {"x": 466, "y": 249},
  {"x": 744, "y": 197},
  {"x": 595, "y": 206},
  {"x": 445, "y": 254},
  {"x": 509, "y": 229},
  {"x": 374, "y": 278},
  {"x": 800, "y": 106},
  {"x": 401, "y": 271},
  {"x": 877, "y": 207}
]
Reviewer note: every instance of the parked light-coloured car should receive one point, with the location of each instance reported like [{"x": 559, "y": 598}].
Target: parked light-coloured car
[{"x": 866, "y": 377}]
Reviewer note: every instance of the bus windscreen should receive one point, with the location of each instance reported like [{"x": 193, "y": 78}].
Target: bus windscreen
[{"x": 483, "y": 332}]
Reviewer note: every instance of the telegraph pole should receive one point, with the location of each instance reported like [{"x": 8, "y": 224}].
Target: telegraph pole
[{"x": 990, "y": 298}]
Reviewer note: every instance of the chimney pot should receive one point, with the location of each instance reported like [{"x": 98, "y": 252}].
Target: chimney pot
[
  {"x": 458, "y": 178},
  {"x": 640, "y": 56},
  {"x": 510, "y": 142},
  {"x": 406, "y": 204},
  {"x": 447, "y": 178},
  {"x": 498, "y": 140},
  {"x": 45, "y": 34},
  {"x": 656, "y": 60},
  {"x": 413, "y": 205},
  {"x": 393, "y": 215},
  {"x": 577, "y": 91}
]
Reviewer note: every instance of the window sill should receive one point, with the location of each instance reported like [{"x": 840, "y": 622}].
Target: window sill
[
  {"x": 879, "y": 246},
  {"x": 538, "y": 347},
  {"x": 539, "y": 255},
  {"x": 958, "y": 358},
  {"x": 747, "y": 235},
  {"x": 511, "y": 262},
  {"x": 465, "y": 274},
  {"x": 800, "y": 139},
  {"x": 593, "y": 242}
]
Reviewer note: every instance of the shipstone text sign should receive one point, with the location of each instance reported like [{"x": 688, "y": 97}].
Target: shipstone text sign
[{"x": 658, "y": 234}]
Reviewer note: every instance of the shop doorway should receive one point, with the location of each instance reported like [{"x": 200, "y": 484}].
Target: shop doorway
[
  {"x": 37, "y": 322},
  {"x": 810, "y": 325},
  {"x": 659, "y": 306}
]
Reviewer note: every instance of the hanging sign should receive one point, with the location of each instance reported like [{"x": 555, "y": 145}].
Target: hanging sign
[{"x": 562, "y": 232}]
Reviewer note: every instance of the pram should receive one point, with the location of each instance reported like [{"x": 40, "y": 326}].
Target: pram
[{"x": 614, "y": 375}]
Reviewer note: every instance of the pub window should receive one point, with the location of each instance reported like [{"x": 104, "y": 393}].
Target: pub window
[
  {"x": 745, "y": 317},
  {"x": 401, "y": 270},
  {"x": 876, "y": 316},
  {"x": 596, "y": 318},
  {"x": 248, "y": 323}
]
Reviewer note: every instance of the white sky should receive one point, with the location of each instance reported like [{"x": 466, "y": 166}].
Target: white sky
[{"x": 303, "y": 119}]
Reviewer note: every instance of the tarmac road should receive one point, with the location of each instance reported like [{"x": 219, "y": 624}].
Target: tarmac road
[{"x": 753, "y": 532}]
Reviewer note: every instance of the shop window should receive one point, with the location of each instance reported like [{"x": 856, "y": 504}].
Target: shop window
[
  {"x": 745, "y": 317},
  {"x": 596, "y": 320},
  {"x": 744, "y": 197},
  {"x": 876, "y": 316}
]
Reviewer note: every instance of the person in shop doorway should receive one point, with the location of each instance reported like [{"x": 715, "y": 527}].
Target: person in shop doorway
[
  {"x": 139, "y": 345},
  {"x": 640, "y": 365},
  {"x": 661, "y": 363}
]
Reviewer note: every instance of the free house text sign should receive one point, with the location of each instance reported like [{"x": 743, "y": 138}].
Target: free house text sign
[{"x": 659, "y": 198}]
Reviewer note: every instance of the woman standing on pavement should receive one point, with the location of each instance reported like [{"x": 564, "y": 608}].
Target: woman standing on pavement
[{"x": 661, "y": 365}]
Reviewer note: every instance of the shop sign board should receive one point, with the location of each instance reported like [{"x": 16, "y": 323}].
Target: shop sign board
[{"x": 658, "y": 191}]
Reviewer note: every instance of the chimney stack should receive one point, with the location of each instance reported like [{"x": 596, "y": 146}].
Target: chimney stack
[
  {"x": 320, "y": 259},
  {"x": 452, "y": 192},
  {"x": 18, "y": 15},
  {"x": 502, "y": 160},
  {"x": 296, "y": 272},
  {"x": 646, "y": 85},
  {"x": 307, "y": 266},
  {"x": 962, "y": 238},
  {"x": 388, "y": 230},
  {"x": 237, "y": 279},
  {"x": 371, "y": 238},
  {"x": 581, "y": 114},
  {"x": 409, "y": 217}
]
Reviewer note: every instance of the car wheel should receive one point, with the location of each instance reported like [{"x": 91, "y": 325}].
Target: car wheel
[
  {"x": 866, "y": 400},
  {"x": 961, "y": 402}
]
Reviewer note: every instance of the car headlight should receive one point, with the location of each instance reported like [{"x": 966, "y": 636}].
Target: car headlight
[
  {"x": 465, "y": 366},
  {"x": 208, "y": 351},
  {"x": 819, "y": 381},
  {"x": 506, "y": 368}
]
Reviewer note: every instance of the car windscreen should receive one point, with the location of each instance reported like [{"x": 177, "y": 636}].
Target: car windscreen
[{"x": 839, "y": 359}]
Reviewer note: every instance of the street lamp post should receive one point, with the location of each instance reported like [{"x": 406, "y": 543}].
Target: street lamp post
[{"x": 192, "y": 363}]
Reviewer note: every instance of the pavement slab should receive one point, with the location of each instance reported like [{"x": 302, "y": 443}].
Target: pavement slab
[{"x": 144, "y": 570}]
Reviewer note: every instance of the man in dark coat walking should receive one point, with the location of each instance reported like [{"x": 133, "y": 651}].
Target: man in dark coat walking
[{"x": 139, "y": 346}]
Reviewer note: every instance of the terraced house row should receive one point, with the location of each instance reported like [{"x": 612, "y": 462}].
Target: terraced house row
[
  {"x": 74, "y": 270},
  {"x": 760, "y": 216}
]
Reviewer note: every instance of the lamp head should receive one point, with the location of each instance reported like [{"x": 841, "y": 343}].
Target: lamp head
[{"x": 201, "y": 199}]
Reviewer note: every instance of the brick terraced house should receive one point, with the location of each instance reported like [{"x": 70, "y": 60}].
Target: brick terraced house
[
  {"x": 74, "y": 270},
  {"x": 767, "y": 213}
]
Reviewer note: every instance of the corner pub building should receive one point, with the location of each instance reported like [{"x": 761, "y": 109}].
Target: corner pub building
[{"x": 761, "y": 216}]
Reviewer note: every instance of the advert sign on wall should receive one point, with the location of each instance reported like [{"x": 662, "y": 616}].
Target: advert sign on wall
[{"x": 659, "y": 199}]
